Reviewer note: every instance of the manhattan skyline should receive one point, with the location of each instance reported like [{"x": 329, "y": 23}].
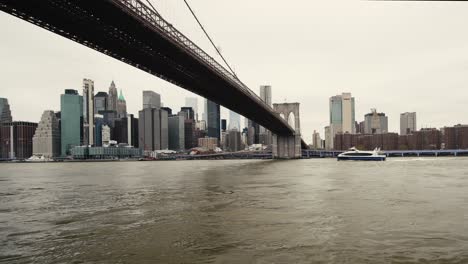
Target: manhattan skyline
[{"x": 393, "y": 71}]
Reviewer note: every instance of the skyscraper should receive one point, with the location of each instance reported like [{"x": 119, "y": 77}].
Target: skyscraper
[
  {"x": 176, "y": 132},
  {"x": 264, "y": 134},
  {"x": 407, "y": 123},
  {"x": 153, "y": 129},
  {"x": 16, "y": 139},
  {"x": 112, "y": 98},
  {"x": 316, "y": 140},
  {"x": 121, "y": 106},
  {"x": 234, "y": 121},
  {"x": 71, "y": 124},
  {"x": 46, "y": 140},
  {"x": 151, "y": 100},
  {"x": 375, "y": 123},
  {"x": 5, "y": 112},
  {"x": 213, "y": 116},
  {"x": 342, "y": 115},
  {"x": 100, "y": 102},
  {"x": 88, "y": 112},
  {"x": 192, "y": 102},
  {"x": 265, "y": 94},
  {"x": 188, "y": 113},
  {"x": 328, "y": 138},
  {"x": 98, "y": 124}
]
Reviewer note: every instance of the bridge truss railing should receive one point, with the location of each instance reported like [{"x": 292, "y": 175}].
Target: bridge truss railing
[{"x": 161, "y": 25}]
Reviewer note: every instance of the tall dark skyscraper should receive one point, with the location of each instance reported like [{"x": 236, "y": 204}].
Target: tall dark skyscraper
[
  {"x": 16, "y": 140},
  {"x": 5, "y": 112},
  {"x": 213, "y": 119},
  {"x": 223, "y": 125},
  {"x": 100, "y": 102}
]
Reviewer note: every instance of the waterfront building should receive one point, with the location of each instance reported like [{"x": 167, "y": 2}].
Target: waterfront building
[
  {"x": 424, "y": 139},
  {"x": 100, "y": 102},
  {"x": 375, "y": 123},
  {"x": 112, "y": 98},
  {"x": 193, "y": 103},
  {"x": 106, "y": 135},
  {"x": 88, "y": 112},
  {"x": 316, "y": 140},
  {"x": 46, "y": 139},
  {"x": 98, "y": 123},
  {"x": 253, "y": 132},
  {"x": 5, "y": 112},
  {"x": 455, "y": 137},
  {"x": 121, "y": 106},
  {"x": 328, "y": 138},
  {"x": 16, "y": 139},
  {"x": 71, "y": 124},
  {"x": 189, "y": 127},
  {"x": 153, "y": 129},
  {"x": 119, "y": 152},
  {"x": 407, "y": 123},
  {"x": 384, "y": 141},
  {"x": 213, "y": 115},
  {"x": 132, "y": 130},
  {"x": 176, "y": 132},
  {"x": 151, "y": 100},
  {"x": 189, "y": 134},
  {"x": 342, "y": 115},
  {"x": 210, "y": 143},
  {"x": 233, "y": 140}
]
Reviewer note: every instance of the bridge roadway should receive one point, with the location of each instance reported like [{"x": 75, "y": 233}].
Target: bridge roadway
[{"x": 131, "y": 32}]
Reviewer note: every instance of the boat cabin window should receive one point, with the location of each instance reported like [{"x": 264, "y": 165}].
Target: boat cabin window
[{"x": 358, "y": 154}]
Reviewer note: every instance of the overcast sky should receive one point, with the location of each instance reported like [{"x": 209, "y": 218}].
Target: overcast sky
[{"x": 393, "y": 56}]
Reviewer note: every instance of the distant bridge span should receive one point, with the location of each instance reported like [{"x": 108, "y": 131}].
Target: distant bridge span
[{"x": 131, "y": 32}]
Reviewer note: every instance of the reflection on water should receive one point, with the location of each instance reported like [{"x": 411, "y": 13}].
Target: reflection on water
[{"x": 402, "y": 210}]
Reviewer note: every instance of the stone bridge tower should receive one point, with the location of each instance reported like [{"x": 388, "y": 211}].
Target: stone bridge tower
[{"x": 288, "y": 147}]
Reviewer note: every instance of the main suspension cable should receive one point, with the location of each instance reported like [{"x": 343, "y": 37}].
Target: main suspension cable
[{"x": 209, "y": 38}]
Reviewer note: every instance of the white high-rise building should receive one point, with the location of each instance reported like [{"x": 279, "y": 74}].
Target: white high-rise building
[
  {"x": 192, "y": 102},
  {"x": 342, "y": 116},
  {"x": 105, "y": 135},
  {"x": 407, "y": 123},
  {"x": 46, "y": 140},
  {"x": 316, "y": 140},
  {"x": 234, "y": 121},
  {"x": 88, "y": 112}
]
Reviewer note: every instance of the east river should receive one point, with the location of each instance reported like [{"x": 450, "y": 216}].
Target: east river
[{"x": 404, "y": 210}]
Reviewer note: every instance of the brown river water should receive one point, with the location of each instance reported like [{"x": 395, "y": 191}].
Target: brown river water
[{"x": 403, "y": 210}]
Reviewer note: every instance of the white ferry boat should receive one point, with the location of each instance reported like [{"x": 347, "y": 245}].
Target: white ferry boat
[{"x": 355, "y": 154}]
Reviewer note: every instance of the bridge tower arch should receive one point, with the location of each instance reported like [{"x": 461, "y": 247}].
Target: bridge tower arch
[{"x": 288, "y": 147}]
